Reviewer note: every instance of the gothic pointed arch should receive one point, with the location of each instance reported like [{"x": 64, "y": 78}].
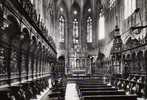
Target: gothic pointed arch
[
  {"x": 62, "y": 9},
  {"x": 87, "y": 13},
  {"x": 61, "y": 58},
  {"x": 14, "y": 24},
  {"x": 87, "y": 9},
  {"x": 75, "y": 15},
  {"x": 61, "y": 19},
  {"x": 75, "y": 10}
]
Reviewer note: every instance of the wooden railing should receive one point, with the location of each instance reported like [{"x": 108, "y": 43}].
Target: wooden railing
[{"x": 132, "y": 84}]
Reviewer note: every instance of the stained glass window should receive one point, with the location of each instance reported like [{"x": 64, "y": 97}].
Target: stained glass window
[
  {"x": 61, "y": 28},
  {"x": 101, "y": 27},
  {"x": 75, "y": 32},
  {"x": 89, "y": 29}
]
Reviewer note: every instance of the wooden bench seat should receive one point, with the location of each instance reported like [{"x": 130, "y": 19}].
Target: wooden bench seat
[
  {"x": 97, "y": 89},
  {"x": 85, "y": 83},
  {"x": 87, "y": 93},
  {"x": 94, "y": 86},
  {"x": 56, "y": 94},
  {"x": 59, "y": 89},
  {"x": 96, "y": 81},
  {"x": 110, "y": 97},
  {"x": 57, "y": 98}
]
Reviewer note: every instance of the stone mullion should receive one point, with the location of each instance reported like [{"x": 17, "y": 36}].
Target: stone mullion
[
  {"x": 27, "y": 62},
  {"x": 135, "y": 63},
  {"x": 32, "y": 64},
  {"x": 142, "y": 64},
  {"x": 39, "y": 67},
  {"x": 19, "y": 60},
  {"x": 49, "y": 67},
  {"x": 14, "y": 63},
  {"x": 37, "y": 63},
  {"x": 48, "y": 64},
  {"x": 122, "y": 64},
  {"x": 128, "y": 64},
  {"x": 138, "y": 64},
  {"x": 42, "y": 63},
  {"x": 7, "y": 60},
  {"x": 33, "y": 59},
  {"x": 132, "y": 64},
  {"x": 45, "y": 65}
]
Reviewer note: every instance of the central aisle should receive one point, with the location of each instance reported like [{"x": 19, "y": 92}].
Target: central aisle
[{"x": 71, "y": 92}]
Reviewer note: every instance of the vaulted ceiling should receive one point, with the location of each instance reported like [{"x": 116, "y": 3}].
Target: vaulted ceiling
[
  {"x": 94, "y": 4},
  {"x": 50, "y": 10}
]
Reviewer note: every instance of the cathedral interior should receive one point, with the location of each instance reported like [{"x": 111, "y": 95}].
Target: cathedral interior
[{"x": 73, "y": 49}]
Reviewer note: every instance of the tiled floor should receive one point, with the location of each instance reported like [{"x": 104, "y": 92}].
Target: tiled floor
[
  {"x": 141, "y": 99},
  {"x": 71, "y": 92}
]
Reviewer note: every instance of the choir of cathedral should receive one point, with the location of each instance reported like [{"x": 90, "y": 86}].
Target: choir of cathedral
[{"x": 73, "y": 49}]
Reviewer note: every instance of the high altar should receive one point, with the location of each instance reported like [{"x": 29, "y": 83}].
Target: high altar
[{"x": 79, "y": 63}]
